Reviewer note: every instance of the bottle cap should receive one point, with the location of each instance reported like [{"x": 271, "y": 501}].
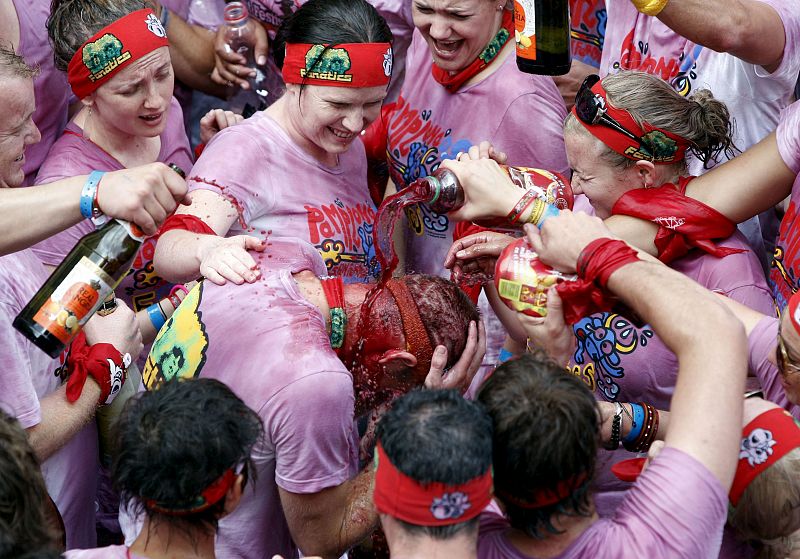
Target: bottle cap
[{"x": 235, "y": 12}]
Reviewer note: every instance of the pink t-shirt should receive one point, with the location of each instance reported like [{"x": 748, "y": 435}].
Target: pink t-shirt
[
  {"x": 110, "y": 552},
  {"x": 271, "y": 347},
  {"x": 50, "y": 87},
  {"x": 588, "y": 29},
  {"x": 74, "y": 155},
  {"x": 622, "y": 362},
  {"x": 785, "y": 269},
  {"x": 762, "y": 344},
  {"x": 26, "y": 376},
  {"x": 676, "y": 509},
  {"x": 283, "y": 190},
  {"x": 754, "y": 97}
]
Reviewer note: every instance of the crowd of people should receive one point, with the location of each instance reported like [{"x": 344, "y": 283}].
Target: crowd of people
[{"x": 260, "y": 385}]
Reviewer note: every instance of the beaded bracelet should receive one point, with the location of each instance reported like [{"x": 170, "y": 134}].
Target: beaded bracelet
[
  {"x": 616, "y": 428},
  {"x": 157, "y": 317}
]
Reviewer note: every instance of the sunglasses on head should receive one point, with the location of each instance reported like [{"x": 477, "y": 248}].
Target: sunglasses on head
[{"x": 591, "y": 109}]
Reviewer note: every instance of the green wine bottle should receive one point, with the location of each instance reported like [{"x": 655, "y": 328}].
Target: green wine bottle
[
  {"x": 543, "y": 36},
  {"x": 79, "y": 285}
]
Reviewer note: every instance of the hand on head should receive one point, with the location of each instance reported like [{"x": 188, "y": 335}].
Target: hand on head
[
  {"x": 460, "y": 375},
  {"x": 215, "y": 120},
  {"x": 230, "y": 66},
  {"x": 145, "y": 195}
]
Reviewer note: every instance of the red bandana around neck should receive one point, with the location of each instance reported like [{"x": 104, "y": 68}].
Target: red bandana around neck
[
  {"x": 659, "y": 146},
  {"x": 113, "y": 48},
  {"x": 208, "y": 497},
  {"x": 430, "y": 504},
  {"x": 767, "y": 439},
  {"x": 342, "y": 65},
  {"x": 453, "y": 82}
]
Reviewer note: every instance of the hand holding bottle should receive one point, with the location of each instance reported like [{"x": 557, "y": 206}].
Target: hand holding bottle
[
  {"x": 145, "y": 195},
  {"x": 118, "y": 328},
  {"x": 488, "y": 190},
  {"x": 231, "y": 68},
  {"x": 227, "y": 258}
]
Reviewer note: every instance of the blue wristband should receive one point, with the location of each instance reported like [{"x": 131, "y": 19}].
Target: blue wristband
[
  {"x": 550, "y": 211},
  {"x": 88, "y": 194},
  {"x": 156, "y": 315},
  {"x": 638, "y": 423},
  {"x": 504, "y": 356}
]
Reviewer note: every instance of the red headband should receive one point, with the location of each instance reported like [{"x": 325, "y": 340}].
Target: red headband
[
  {"x": 545, "y": 496},
  {"x": 659, "y": 146},
  {"x": 419, "y": 341},
  {"x": 208, "y": 497},
  {"x": 344, "y": 65},
  {"x": 431, "y": 504},
  {"x": 114, "y": 47},
  {"x": 794, "y": 313},
  {"x": 766, "y": 440}
]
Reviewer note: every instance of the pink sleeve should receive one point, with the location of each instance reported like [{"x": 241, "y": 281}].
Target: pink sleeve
[
  {"x": 543, "y": 142},
  {"x": 677, "y": 508},
  {"x": 18, "y": 396},
  {"x": 233, "y": 165},
  {"x": 788, "y": 135},
  {"x": 762, "y": 343},
  {"x": 790, "y": 64},
  {"x": 311, "y": 424}
]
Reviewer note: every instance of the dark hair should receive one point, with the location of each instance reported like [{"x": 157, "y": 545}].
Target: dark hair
[
  {"x": 330, "y": 22},
  {"x": 546, "y": 426},
  {"x": 437, "y": 436},
  {"x": 23, "y": 522},
  {"x": 175, "y": 441},
  {"x": 445, "y": 311},
  {"x": 72, "y": 22}
]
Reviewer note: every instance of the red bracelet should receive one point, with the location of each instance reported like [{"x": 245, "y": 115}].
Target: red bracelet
[
  {"x": 524, "y": 203},
  {"x": 174, "y": 300},
  {"x": 602, "y": 257}
]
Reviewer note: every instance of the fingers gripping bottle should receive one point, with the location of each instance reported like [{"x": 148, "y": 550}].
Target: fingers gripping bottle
[
  {"x": 80, "y": 284},
  {"x": 552, "y": 193},
  {"x": 240, "y": 37}
]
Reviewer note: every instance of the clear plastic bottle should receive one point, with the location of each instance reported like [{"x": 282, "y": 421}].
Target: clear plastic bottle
[{"x": 240, "y": 37}]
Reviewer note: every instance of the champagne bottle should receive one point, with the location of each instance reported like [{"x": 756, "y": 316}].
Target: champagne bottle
[
  {"x": 543, "y": 36},
  {"x": 80, "y": 284}
]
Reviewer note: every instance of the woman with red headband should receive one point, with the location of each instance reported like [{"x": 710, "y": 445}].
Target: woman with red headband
[
  {"x": 629, "y": 133},
  {"x": 184, "y": 457},
  {"x": 296, "y": 168}
]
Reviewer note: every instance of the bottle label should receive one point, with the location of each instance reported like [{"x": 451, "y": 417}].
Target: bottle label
[
  {"x": 74, "y": 300},
  {"x": 525, "y": 28},
  {"x": 133, "y": 230}
]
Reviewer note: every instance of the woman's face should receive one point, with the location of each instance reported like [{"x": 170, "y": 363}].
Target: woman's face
[
  {"x": 600, "y": 182},
  {"x": 330, "y": 117},
  {"x": 457, "y": 31},
  {"x": 135, "y": 101}
]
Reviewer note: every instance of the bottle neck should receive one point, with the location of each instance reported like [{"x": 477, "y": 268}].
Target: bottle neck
[{"x": 236, "y": 14}]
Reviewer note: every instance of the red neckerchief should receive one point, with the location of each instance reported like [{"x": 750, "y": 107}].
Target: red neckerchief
[{"x": 453, "y": 82}]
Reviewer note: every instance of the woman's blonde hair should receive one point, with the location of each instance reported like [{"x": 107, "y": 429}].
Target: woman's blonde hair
[
  {"x": 702, "y": 120},
  {"x": 769, "y": 508}
]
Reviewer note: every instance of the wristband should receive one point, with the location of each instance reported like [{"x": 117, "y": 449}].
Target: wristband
[
  {"x": 175, "y": 301},
  {"x": 637, "y": 424},
  {"x": 601, "y": 258},
  {"x": 522, "y": 205},
  {"x": 650, "y": 7},
  {"x": 541, "y": 211},
  {"x": 89, "y": 195},
  {"x": 616, "y": 427},
  {"x": 504, "y": 356},
  {"x": 156, "y": 315}
]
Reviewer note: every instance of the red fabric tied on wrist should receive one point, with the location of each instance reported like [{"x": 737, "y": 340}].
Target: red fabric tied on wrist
[
  {"x": 113, "y": 48},
  {"x": 430, "y": 504},
  {"x": 103, "y": 362},
  {"x": 185, "y": 222},
  {"x": 597, "y": 261},
  {"x": 342, "y": 65},
  {"x": 684, "y": 223}
]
